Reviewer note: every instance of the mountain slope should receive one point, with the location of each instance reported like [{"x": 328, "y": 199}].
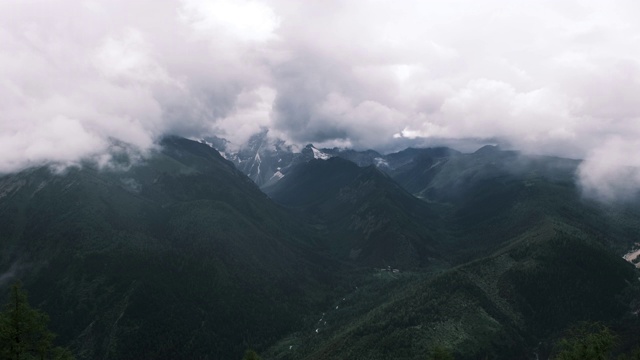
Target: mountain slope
[
  {"x": 177, "y": 256},
  {"x": 266, "y": 160},
  {"x": 502, "y": 306},
  {"x": 492, "y": 195},
  {"x": 365, "y": 215},
  {"x": 534, "y": 258},
  {"x": 180, "y": 255}
]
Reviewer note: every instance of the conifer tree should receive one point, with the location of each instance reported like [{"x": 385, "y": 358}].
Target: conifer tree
[
  {"x": 23, "y": 331},
  {"x": 440, "y": 353},
  {"x": 251, "y": 355},
  {"x": 587, "y": 341}
]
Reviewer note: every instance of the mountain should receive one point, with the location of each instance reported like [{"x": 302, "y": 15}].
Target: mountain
[
  {"x": 509, "y": 305},
  {"x": 360, "y": 158},
  {"x": 262, "y": 159},
  {"x": 412, "y": 168},
  {"x": 179, "y": 255},
  {"x": 533, "y": 257},
  {"x": 366, "y": 216},
  {"x": 443, "y": 174},
  {"x": 266, "y": 160},
  {"x": 495, "y": 195}
]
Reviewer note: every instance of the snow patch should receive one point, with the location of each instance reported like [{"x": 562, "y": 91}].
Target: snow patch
[
  {"x": 317, "y": 154},
  {"x": 434, "y": 165},
  {"x": 380, "y": 162},
  {"x": 278, "y": 175},
  {"x": 633, "y": 255}
]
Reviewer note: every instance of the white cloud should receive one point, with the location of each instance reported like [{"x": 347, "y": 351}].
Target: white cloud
[
  {"x": 251, "y": 115},
  {"x": 58, "y": 140},
  {"x": 612, "y": 170},
  {"x": 243, "y": 19},
  {"x": 543, "y": 76},
  {"x": 75, "y": 75},
  {"x": 127, "y": 60}
]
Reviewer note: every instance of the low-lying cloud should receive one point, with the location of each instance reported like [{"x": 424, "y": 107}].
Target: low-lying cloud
[
  {"x": 612, "y": 170},
  {"x": 545, "y": 77}
]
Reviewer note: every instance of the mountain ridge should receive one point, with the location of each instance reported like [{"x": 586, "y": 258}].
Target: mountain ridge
[
  {"x": 123, "y": 261},
  {"x": 179, "y": 254}
]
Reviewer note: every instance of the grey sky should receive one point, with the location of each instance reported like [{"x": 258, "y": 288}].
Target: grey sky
[{"x": 552, "y": 77}]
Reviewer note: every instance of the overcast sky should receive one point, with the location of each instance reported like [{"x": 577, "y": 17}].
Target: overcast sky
[{"x": 553, "y": 77}]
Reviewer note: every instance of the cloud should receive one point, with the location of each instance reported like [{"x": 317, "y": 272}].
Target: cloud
[
  {"x": 243, "y": 20},
  {"x": 493, "y": 109},
  {"x": 88, "y": 73},
  {"x": 15, "y": 270},
  {"x": 544, "y": 77},
  {"x": 612, "y": 171}
]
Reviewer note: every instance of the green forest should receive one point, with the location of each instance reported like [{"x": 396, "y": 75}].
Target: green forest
[{"x": 488, "y": 255}]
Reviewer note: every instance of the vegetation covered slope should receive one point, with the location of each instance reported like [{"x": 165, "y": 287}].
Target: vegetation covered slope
[
  {"x": 534, "y": 258},
  {"x": 490, "y": 196},
  {"x": 364, "y": 215},
  {"x": 499, "y": 307},
  {"x": 177, "y": 256}
]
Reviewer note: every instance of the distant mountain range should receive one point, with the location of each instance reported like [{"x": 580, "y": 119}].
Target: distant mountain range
[
  {"x": 266, "y": 160},
  {"x": 317, "y": 253},
  {"x": 365, "y": 215}
]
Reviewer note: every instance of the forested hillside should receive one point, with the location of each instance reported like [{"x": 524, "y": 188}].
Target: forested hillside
[{"x": 177, "y": 254}]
